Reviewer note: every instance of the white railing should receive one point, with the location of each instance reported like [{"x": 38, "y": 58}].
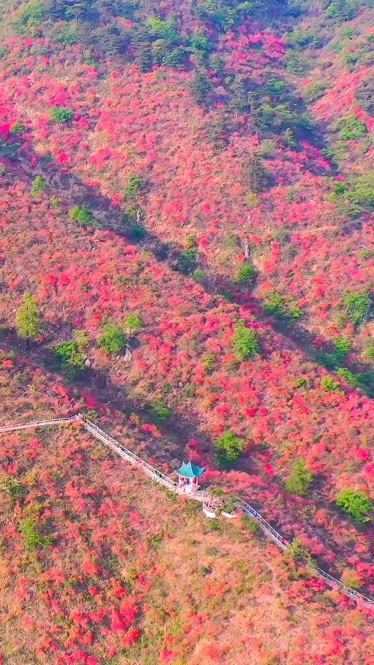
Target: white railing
[
  {"x": 285, "y": 545},
  {"x": 263, "y": 524},
  {"x": 172, "y": 486},
  {"x": 38, "y": 423}
]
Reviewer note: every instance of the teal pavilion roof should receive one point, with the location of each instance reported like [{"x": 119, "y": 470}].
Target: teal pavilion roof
[{"x": 189, "y": 470}]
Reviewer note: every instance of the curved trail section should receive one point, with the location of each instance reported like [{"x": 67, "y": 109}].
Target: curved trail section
[{"x": 172, "y": 486}]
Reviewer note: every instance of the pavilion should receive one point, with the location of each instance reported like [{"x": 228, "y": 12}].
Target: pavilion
[{"x": 188, "y": 477}]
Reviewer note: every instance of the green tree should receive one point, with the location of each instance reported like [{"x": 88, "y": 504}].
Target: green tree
[
  {"x": 281, "y": 307},
  {"x": 14, "y": 487},
  {"x": 200, "y": 88},
  {"x": 71, "y": 358},
  {"x": 355, "y": 504},
  {"x": 61, "y": 115},
  {"x": 161, "y": 410},
  {"x": 31, "y": 13},
  {"x": 30, "y": 529},
  {"x": 300, "y": 479},
  {"x": 82, "y": 216},
  {"x": 245, "y": 274},
  {"x": 239, "y": 95},
  {"x": 113, "y": 339},
  {"x": 343, "y": 10},
  {"x": 228, "y": 448},
  {"x": 187, "y": 260},
  {"x": 133, "y": 186},
  {"x": 133, "y": 323},
  {"x": 350, "y": 128},
  {"x": 245, "y": 342},
  {"x": 38, "y": 186},
  {"x": 357, "y": 306},
  {"x": 361, "y": 192},
  {"x": 256, "y": 175},
  {"x": 329, "y": 385},
  {"x": 297, "y": 552},
  {"x": 28, "y": 323}
]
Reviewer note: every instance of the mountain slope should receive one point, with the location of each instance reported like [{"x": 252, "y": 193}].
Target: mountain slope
[
  {"x": 204, "y": 169},
  {"x": 100, "y": 566}
]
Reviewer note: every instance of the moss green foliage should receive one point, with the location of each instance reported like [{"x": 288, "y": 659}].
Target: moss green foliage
[
  {"x": 14, "y": 487},
  {"x": 163, "y": 29},
  {"x": 17, "y": 128},
  {"x": 298, "y": 552},
  {"x": 60, "y": 115},
  {"x": 201, "y": 47},
  {"x": 329, "y": 385},
  {"x": 315, "y": 90},
  {"x": 300, "y": 479},
  {"x": 133, "y": 323},
  {"x": 342, "y": 348},
  {"x": 355, "y": 504},
  {"x": 38, "y": 186},
  {"x": 245, "y": 341},
  {"x": 274, "y": 107},
  {"x": 82, "y": 216},
  {"x": 350, "y": 128},
  {"x": 81, "y": 338},
  {"x": 364, "y": 380},
  {"x": 31, "y": 13},
  {"x": 209, "y": 363},
  {"x": 289, "y": 138},
  {"x": 245, "y": 274},
  {"x": 71, "y": 355},
  {"x": 198, "y": 275},
  {"x": 361, "y": 191},
  {"x": 336, "y": 358},
  {"x": 30, "y": 530},
  {"x": 341, "y": 10},
  {"x": 351, "y": 579},
  {"x": 133, "y": 187},
  {"x": 230, "y": 504},
  {"x": 250, "y": 525},
  {"x": 282, "y": 307},
  {"x": 357, "y": 306},
  {"x": 67, "y": 35},
  {"x": 187, "y": 260},
  {"x": 112, "y": 339},
  {"x": 161, "y": 410},
  {"x": 28, "y": 324},
  {"x": 228, "y": 447}
]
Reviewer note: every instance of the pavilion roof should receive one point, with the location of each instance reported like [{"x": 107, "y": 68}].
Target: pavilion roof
[{"x": 189, "y": 470}]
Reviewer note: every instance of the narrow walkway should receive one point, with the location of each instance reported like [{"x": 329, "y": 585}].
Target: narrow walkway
[{"x": 172, "y": 486}]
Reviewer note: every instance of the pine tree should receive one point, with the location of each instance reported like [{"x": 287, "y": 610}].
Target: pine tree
[
  {"x": 28, "y": 320},
  {"x": 239, "y": 99},
  {"x": 200, "y": 88},
  {"x": 257, "y": 176}
]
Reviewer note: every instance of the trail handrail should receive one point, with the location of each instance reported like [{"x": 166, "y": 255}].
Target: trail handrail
[
  {"x": 37, "y": 423},
  {"x": 171, "y": 485},
  {"x": 264, "y": 525},
  {"x": 127, "y": 454},
  {"x": 285, "y": 545}
]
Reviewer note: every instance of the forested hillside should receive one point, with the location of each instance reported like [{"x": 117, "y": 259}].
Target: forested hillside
[{"x": 186, "y": 209}]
